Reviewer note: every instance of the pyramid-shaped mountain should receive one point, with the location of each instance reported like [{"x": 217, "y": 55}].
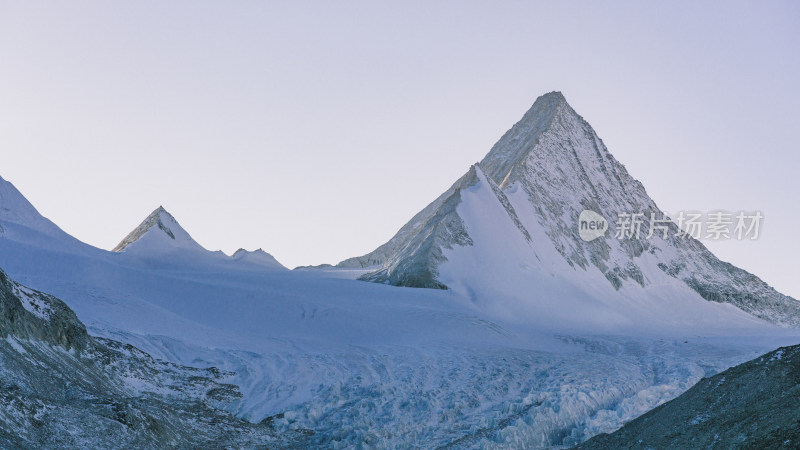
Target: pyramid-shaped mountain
[
  {"x": 509, "y": 229},
  {"x": 158, "y": 231}
]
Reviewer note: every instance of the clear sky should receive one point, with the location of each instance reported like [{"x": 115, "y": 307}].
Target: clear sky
[{"x": 316, "y": 129}]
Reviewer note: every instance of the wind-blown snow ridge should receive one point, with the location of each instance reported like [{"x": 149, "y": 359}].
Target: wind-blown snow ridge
[{"x": 16, "y": 209}]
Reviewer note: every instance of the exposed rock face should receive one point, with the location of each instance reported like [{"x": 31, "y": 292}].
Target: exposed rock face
[
  {"x": 31, "y": 315},
  {"x": 60, "y": 387},
  {"x": 752, "y": 405},
  {"x": 546, "y": 170}
]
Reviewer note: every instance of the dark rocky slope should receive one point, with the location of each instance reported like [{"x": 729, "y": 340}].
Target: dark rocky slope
[{"x": 753, "y": 405}]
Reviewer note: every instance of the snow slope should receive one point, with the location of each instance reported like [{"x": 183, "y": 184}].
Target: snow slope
[
  {"x": 21, "y": 222},
  {"x": 16, "y": 209}
]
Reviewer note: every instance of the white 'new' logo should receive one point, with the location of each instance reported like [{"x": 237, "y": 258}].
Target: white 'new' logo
[{"x": 591, "y": 225}]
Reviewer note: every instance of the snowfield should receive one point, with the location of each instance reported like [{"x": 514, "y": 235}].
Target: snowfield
[{"x": 362, "y": 363}]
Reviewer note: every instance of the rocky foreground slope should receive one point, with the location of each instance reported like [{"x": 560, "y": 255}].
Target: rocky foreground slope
[
  {"x": 60, "y": 387},
  {"x": 752, "y": 405}
]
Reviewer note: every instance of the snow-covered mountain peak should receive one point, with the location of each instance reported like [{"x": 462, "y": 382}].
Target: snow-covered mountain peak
[
  {"x": 257, "y": 257},
  {"x": 160, "y": 230},
  {"x": 509, "y": 227},
  {"x": 241, "y": 252},
  {"x": 516, "y": 144}
]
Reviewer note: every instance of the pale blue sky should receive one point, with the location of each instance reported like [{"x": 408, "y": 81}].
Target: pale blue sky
[{"x": 316, "y": 129}]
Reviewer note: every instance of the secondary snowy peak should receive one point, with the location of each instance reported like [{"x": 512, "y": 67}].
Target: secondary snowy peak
[
  {"x": 509, "y": 228},
  {"x": 257, "y": 257},
  {"x": 160, "y": 231},
  {"x": 160, "y": 239}
]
